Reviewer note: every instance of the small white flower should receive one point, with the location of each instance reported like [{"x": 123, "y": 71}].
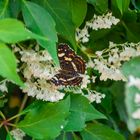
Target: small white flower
[
  {"x": 112, "y": 45},
  {"x": 43, "y": 91},
  {"x": 93, "y": 79},
  {"x": 102, "y": 22},
  {"x": 30, "y": 88},
  {"x": 108, "y": 72},
  {"x": 17, "y": 134},
  {"x": 28, "y": 55},
  {"x": 85, "y": 81},
  {"x": 3, "y": 87},
  {"x": 95, "y": 97},
  {"x": 137, "y": 98},
  {"x": 114, "y": 20},
  {"x": 90, "y": 64},
  {"x": 134, "y": 81},
  {"x": 97, "y": 22},
  {"x": 136, "y": 114},
  {"x": 114, "y": 60},
  {"x": 61, "y": 126},
  {"x": 85, "y": 39},
  {"x": 99, "y": 53},
  {"x": 82, "y": 35},
  {"x": 127, "y": 53}
]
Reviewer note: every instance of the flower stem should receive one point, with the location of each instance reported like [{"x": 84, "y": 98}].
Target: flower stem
[
  {"x": 2, "y": 115},
  {"x": 20, "y": 110},
  {"x": 22, "y": 107}
]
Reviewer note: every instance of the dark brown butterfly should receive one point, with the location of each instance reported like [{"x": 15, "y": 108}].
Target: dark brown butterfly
[{"x": 71, "y": 65}]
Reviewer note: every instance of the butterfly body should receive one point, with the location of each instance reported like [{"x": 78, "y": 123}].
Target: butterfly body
[{"x": 72, "y": 66}]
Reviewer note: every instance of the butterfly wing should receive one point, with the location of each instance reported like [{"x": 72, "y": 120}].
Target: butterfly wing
[
  {"x": 69, "y": 61},
  {"x": 71, "y": 67},
  {"x": 66, "y": 78}
]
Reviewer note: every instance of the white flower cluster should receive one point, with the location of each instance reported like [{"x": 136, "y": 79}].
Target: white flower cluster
[
  {"x": 134, "y": 81},
  {"x": 38, "y": 69},
  {"x": 43, "y": 90},
  {"x": 85, "y": 81},
  {"x": 38, "y": 64},
  {"x": 108, "y": 61},
  {"x": 92, "y": 96},
  {"x": 137, "y": 98},
  {"x": 95, "y": 96},
  {"x": 97, "y": 22},
  {"x": 136, "y": 114},
  {"x": 17, "y": 134},
  {"x": 3, "y": 87}
]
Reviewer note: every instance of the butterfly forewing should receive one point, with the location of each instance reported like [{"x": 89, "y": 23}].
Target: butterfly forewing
[{"x": 69, "y": 60}]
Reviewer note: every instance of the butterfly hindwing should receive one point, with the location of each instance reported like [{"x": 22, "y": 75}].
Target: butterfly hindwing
[{"x": 66, "y": 78}]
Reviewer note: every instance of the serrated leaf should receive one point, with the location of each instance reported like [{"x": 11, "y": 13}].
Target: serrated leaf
[
  {"x": 45, "y": 121},
  {"x": 39, "y": 21},
  {"x": 100, "y": 132},
  {"x": 81, "y": 111},
  {"x": 62, "y": 15},
  {"x": 8, "y": 65}
]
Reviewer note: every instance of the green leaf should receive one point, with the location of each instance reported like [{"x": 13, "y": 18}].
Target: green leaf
[
  {"x": 39, "y": 21},
  {"x": 131, "y": 107},
  {"x": 8, "y": 65},
  {"x": 130, "y": 16},
  {"x": 100, "y": 132},
  {"x": 79, "y": 9},
  {"x": 13, "y": 31},
  {"x": 45, "y": 120},
  {"x": 122, "y": 5},
  {"x": 118, "y": 94},
  {"x": 68, "y": 136},
  {"x": 131, "y": 68},
  {"x": 60, "y": 10},
  {"x": 81, "y": 111},
  {"x": 2, "y": 102},
  {"x": 4, "y": 9},
  {"x": 15, "y": 7},
  {"x": 9, "y": 137},
  {"x": 100, "y": 6},
  {"x": 107, "y": 101},
  {"x": 132, "y": 34},
  {"x": 136, "y": 4}
]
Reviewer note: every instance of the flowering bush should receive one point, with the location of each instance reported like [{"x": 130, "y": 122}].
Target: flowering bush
[{"x": 103, "y": 40}]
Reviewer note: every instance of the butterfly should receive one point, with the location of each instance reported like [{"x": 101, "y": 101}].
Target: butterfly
[{"x": 72, "y": 67}]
